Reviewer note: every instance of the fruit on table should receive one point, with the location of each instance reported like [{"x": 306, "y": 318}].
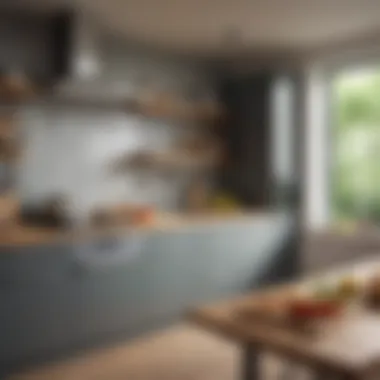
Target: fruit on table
[
  {"x": 143, "y": 215},
  {"x": 224, "y": 202},
  {"x": 372, "y": 293},
  {"x": 324, "y": 292},
  {"x": 348, "y": 287},
  {"x": 374, "y": 282},
  {"x": 308, "y": 309}
]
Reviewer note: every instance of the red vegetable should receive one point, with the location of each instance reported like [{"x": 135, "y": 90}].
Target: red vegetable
[{"x": 313, "y": 309}]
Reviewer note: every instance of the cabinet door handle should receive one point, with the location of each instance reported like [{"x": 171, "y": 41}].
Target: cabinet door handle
[
  {"x": 108, "y": 252},
  {"x": 107, "y": 245}
]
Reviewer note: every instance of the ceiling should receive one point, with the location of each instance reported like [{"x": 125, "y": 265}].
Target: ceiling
[{"x": 230, "y": 27}]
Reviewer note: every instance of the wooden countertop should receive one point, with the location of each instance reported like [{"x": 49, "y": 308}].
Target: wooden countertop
[{"x": 17, "y": 234}]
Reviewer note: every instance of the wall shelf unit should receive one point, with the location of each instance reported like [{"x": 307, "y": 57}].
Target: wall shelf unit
[
  {"x": 166, "y": 161},
  {"x": 168, "y": 107}
]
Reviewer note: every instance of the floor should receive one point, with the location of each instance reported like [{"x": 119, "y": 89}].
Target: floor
[{"x": 182, "y": 352}]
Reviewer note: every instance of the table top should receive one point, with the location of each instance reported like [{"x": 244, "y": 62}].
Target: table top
[{"x": 349, "y": 344}]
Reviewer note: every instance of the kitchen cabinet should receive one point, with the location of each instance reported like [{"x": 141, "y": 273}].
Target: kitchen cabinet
[
  {"x": 33, "y": 267},
  {"x": 37, "y": 324},
  {"x": 261, "y": 134},
  {"x": 54, "y": 303},
  {"x": 39, "y": 303},
  {"x": 113, "y": 293},
  {"x": 247, "y": 135}
]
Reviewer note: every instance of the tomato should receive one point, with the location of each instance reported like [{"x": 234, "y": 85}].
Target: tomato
[
  {"x": 311, "y": 309},
  {"x": 143, "y": 215}
]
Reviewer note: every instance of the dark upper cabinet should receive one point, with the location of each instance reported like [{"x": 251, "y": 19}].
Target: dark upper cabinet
[
  {"x": 260, "y": 136},
  {"x": 35, "y": 44},
  {"x": 247, "y": 134}
]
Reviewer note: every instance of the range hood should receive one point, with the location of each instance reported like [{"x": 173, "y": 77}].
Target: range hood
[{"x": 77, "y": 53}]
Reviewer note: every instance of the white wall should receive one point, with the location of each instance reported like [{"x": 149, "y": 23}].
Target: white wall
[{"x": 70, "y": 150}]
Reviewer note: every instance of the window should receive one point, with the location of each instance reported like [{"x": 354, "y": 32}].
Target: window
[{"x": 355, "y": 143}]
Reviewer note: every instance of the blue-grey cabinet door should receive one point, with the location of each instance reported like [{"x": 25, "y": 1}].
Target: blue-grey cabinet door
[
  {"x": 171, "y": 273},
  {"x": 234, "y": 257},
  {"x": 37, "y": 324},
  {"x": 39, "y": 303},
  {"x": 33, "y": 267},
  {"x": 112, "y": 284}
]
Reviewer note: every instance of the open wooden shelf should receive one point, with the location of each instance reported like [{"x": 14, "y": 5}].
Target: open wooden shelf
[
  {"x": 16, "y": 90},
  {"x": 172, "y": 108},
  {"x": 181, "y": 110},
  {"x": 9, "y": 145},
  {"x": 166, "y": 161}
]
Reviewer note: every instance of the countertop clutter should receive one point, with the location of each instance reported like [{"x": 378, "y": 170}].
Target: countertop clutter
[
  {"x": 54, "y": 220},
  {"x": 18, "y": 234}
]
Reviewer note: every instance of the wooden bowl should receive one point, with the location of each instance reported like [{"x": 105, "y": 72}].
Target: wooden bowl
[{"x": 311, "y": 309}]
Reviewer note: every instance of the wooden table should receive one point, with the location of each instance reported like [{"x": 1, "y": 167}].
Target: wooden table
[{"x": 346, "y": 348}]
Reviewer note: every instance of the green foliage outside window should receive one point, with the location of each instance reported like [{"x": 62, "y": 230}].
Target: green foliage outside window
[{"x": 355, "y": 175}]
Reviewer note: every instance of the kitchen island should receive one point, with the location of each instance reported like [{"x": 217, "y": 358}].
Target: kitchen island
[{"x": 60, "y": 293}]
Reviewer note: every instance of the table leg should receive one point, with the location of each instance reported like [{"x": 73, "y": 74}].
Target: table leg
[
  {"x": 321, "y": 375},
  {"x": 250, "y": 363},
  {"x": 290, "y": 372}
]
